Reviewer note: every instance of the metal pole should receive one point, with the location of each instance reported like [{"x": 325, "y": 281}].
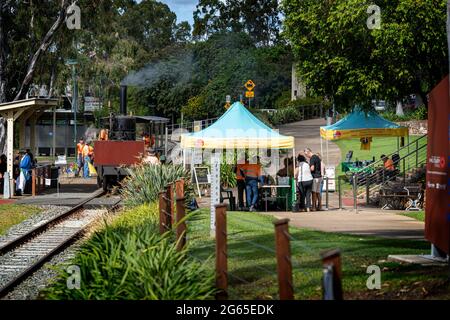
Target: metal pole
[
  {"x": 75, "y": 103},
  {"x": 54, "y": 132},
  {"x": 355, "y": 196},
  {"x": 326, "y": 194},
  {"x": 340, "y": 192}
]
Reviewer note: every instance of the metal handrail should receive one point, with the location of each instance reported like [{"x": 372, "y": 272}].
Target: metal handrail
[{"x": 416, "y": 142}]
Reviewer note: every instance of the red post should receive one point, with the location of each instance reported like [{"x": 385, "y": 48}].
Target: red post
[
  {"x": 333, "y": 258},
  {"x": 162, "y": 211},
  {"x": 181, "y": 225},
  {"x": 179, "y": 188},
  {"x": 221, "y": 252},
  {"x": 284, "y": 266},
  {"x": 170, "y": 204}
]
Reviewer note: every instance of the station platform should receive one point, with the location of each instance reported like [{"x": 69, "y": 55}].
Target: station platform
[{"x": 71, "y": 192}]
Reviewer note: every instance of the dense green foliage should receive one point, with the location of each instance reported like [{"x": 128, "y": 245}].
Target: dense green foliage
[
  {"x": 258, "y": 18},
  {"x": 421, "y": 113},
  {"x": 300, "y": 109},
  {"x": 146, "y": 181},
  {"x": 128, "y": 260},
  {"x": 340, "y": 57}
]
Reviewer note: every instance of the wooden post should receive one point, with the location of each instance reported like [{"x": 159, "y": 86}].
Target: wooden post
[
  {"x": 179, "y": 188},
  {"x": 284, "y": 266},
  {"x": 162, "y": 211},
  {"x": 181, "y": 226},
  {"x": 221, "y": 251},
  {"x": 170, "y": 204},
  {"x": 333, "y": 258},
  {"x": 33, "y": 182}
]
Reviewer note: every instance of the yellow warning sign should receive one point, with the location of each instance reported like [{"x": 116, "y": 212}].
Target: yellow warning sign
[
  {"x": 250, "y": 85},
  {"x": 249, "y": 94}
]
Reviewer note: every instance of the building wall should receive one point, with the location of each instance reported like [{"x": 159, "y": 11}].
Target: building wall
[{"x": 298, "y": 89}]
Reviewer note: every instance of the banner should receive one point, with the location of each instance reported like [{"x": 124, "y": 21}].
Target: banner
[{"x": 437, "y": 218}]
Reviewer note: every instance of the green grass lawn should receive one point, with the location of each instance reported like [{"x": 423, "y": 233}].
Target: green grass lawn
[
  {"x": 252, "y": 263},
  {"x": 11, "y": 214},
  {"x": 379, "y": 146},
  {"x": 418, "y": 215}
]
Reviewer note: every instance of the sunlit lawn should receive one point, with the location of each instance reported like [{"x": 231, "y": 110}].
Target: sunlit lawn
[
  {"x": 12, "y": 214},
  {"x": 252, "y": 264}
]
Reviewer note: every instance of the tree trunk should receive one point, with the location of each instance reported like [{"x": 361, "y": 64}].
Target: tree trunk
[
  {"x": 3, "y": 82},
  {"x": 42, "y": 48}
]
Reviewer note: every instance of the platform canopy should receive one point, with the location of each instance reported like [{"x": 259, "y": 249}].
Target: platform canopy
[
  {"x": 361, "y": 124},
  {"x": 237, "y": 128}
]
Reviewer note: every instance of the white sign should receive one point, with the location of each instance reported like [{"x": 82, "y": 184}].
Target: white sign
[
  {"x": 330, "y": 172},
  {"x": 48, "y": 182},
  {"x": 92, "y": 104},
  {"x": 215, "y": 190},
  {"x": 197, "y": 156}
]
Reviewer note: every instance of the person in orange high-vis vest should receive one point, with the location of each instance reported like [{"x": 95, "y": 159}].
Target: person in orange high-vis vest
[
  {"x": 252, "y": 174},
  {"x": 240, "y": 179},
  {"x": 80, "y": 159}
]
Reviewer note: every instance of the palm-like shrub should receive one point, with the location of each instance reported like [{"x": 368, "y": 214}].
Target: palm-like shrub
[
  {"x": 129, "y": 260},
  {"x": 146, "y": 181}
]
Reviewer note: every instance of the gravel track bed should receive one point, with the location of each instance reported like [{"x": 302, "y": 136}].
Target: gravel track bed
[
  {"x": 12, "y": 262},
  {"x": 49, "y": 212},
  {"x": 30, "y": 288}
]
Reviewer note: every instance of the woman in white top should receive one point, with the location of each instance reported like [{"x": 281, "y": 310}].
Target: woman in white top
[{"x": 304, "y": 183}]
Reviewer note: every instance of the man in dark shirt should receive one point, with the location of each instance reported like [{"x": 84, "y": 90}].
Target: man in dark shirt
[{"x": 316, "y": 172}]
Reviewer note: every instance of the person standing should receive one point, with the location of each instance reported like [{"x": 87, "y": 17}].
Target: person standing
[
  {"x": 80, "y": 159},
  {"x": 251, "y": 173},
  {"x": 86, "y": 160},
  {"x": 240, "y": 183},
  {"x": 304, "y": 183},
  {"x": 316, "y": 171},
  {"x": 25, "y": 166},
  {"x": 151, "y": 158}
]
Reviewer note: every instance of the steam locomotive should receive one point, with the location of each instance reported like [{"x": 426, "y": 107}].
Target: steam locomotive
[{"x": 121, "y": 150}]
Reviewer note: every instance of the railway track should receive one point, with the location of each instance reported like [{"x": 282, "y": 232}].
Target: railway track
[{"x": 27, "y": 253}]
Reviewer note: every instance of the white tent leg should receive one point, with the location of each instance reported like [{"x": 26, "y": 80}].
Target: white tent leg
[
  {"x": 321, "y": 146},
  {"x": 328, "y": 161}
]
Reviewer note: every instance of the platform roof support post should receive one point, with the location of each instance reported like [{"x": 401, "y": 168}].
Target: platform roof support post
[
  {"x": 33, "y": 121},
  {"x": 10, "y": 148}
]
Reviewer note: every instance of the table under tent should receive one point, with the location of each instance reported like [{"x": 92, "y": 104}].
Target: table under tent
[
  {"x": 361, "y": 125},
  {"x": 240, "y": 133},
  {"x": 370, "y": 177}
]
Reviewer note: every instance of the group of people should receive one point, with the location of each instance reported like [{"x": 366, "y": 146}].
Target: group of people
[
  {"x": 309, "y": 174},
  {"x": 85, "y": 156}
]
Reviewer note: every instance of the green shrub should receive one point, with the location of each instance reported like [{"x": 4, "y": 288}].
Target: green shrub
[
  {"x": 146, "y": 181},
  {"x": 129, "y": 260},
  {"x": 227, "y": 175}
]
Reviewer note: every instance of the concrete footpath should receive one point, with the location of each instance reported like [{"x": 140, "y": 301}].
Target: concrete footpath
[{"x": 367, "y": 222}]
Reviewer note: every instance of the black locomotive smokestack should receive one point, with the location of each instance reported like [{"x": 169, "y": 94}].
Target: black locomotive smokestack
[{"x": 123, "y": 100}]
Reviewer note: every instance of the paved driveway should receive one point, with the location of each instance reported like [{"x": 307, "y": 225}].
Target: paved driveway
[{"x": 366, "y": 222}]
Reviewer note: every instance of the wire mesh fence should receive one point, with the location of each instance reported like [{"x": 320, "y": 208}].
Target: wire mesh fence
[{"x": 251, "y": 259}]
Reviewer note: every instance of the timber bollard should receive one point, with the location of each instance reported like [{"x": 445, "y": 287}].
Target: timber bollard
[
  {"x": 332, "y": 261},
  {"x": 284, "y": 266},
  {"x": 221, "y": 252},
  {"x": 181, "y": 224},
  {"x": 33, "y": 182},
  {"x": 179, "y": 188},
  {"x": 170, "y": 204},
  {"x": 162, "y": 211}
]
